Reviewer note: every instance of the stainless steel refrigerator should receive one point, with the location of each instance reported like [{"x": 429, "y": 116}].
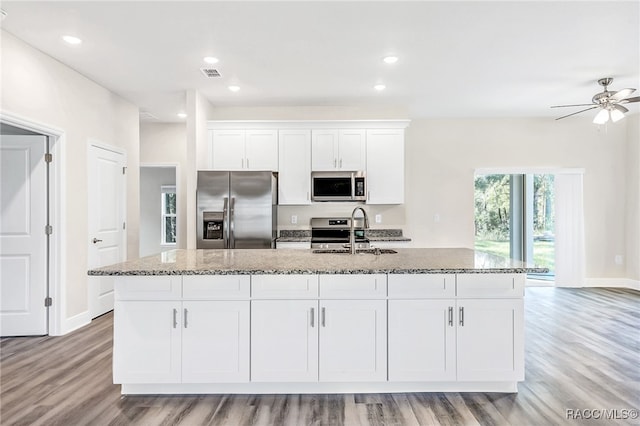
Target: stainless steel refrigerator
[{"x": 236, "y": 210}]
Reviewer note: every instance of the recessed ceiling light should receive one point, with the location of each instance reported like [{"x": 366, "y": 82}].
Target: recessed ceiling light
[
  {"x": 71, "y": 39},
  {"x": 379, "y": 87},
  {"x": 182, "y": 115},
  {"x": 210, "y": 60},
  {"x": 234, "y": 88},
  {"x": 390, "y": 59}
]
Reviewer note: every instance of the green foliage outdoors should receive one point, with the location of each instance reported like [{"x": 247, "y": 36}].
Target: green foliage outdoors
[{"x": 492, "y": 217}]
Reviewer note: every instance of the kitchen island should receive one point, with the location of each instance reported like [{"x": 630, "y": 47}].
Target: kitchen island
[{"x": 294, "y": 321}]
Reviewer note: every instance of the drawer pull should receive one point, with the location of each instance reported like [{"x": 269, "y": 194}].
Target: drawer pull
[
  {"x": 450, "y": 316},
  {"x": 313, "y": 314},
  {"x": 323, "y": 317},
  {"x": 175, "y": 318},
  {"x": 185, "y": 317},
  {"x": 461, "y": 316}
]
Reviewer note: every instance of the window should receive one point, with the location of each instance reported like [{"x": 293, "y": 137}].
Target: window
[{"x": 169, "y": 221}]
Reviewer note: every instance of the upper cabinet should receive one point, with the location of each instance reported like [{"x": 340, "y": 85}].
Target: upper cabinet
[
  {"x": 294, "y": 180},
  {"x": 243, "y": 149},
  {"x": 338, "y": 150},
  {"x": 385, "y": 166}
]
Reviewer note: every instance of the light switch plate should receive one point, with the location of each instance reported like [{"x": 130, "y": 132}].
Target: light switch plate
[
  {"x": 294, "y": 219},
  {"x": 378, "y": 218}
]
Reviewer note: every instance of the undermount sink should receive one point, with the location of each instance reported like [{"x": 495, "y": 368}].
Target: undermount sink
[{"x": 376, "y": 251}]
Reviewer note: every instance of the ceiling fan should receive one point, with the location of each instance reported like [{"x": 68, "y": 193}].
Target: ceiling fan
[{"x": 610, "y": 103}]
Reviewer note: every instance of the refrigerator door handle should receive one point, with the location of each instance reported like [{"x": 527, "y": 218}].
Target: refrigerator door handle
[
  {"x": 232, "y": 220},
  {"x": 225, "y": 222}
]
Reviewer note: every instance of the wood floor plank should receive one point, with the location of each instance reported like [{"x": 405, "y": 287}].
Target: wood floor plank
[{"x": 582, "y": 352}]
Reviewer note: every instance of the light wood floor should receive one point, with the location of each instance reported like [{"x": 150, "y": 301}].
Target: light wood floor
[{"x": 582, "y": 352}]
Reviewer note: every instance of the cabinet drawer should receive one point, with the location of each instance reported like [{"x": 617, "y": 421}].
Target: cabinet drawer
[
  {"x": 366, "y": 286},
  {"x": 422, "y": 285},
  {"x": 150, "y": 287},
  {"x": 284, "y": 286},
  {"x": 215, "y": 286},
  {"x": 490, "y": 285}
]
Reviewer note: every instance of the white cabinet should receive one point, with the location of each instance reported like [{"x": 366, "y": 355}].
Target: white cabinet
[
  {"x": 294, "y": 162},
  {"x": 422, "y": 340},
  {"x": 298, "y": 245},
  {"x": 338, "y": 150},
  {"x": 147, "y": 347},
  {"x": 353, "y": 340},
  {"x": 215, "y": 341},
  {"x": 243, "y": 149},
  {"x": 385, "y": 166},
  {"x": 284, "y": 341},
  {"x": 181, "y": 340},
  {"x": 490, "y": 339}
]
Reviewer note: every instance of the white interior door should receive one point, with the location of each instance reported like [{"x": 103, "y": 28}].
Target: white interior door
[
  {"x": 23, "y": 241},
  {"x": 107, "y": 237}
]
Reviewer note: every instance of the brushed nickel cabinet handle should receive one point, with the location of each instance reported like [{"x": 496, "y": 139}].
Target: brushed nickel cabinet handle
[
  {"x": 323, "y": 317},
  {"x": 175, "y": 318},
  {"x": 450, "y": 316},
  {"x": 185, "y": 317},
  {"x": 313, "y": 314},
  {"x": 461, "y": 316}
]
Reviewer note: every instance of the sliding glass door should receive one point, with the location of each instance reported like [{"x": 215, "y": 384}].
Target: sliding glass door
[{"x": 514, "y": 217}]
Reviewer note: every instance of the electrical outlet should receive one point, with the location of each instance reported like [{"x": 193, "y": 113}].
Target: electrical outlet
[
  {"x": 619, "y": 259},
  {"x": 378, "y": 218},
  {"x": 294, "y": 219}
]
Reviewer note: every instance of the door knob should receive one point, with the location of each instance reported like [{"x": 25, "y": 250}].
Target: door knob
[{"x": 95, "y": 240}]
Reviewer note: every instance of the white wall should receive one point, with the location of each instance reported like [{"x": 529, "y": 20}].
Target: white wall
[
  {"x": 442, "y": 154},
  {"x": 633, "y": 199},
  {"x": 166, "y": 143},
  {"x": 152, "y": 179},
  {"x": 41, "y": 89}
]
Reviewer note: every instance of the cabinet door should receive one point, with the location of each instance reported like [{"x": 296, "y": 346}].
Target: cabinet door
[
  {"x": 261, "y": 150},
  {"x": 284, "y": 341},
  {"x": 215, "y": 341},
  {"x": 227, "y": 149},
  {"x": 146, "y": 345},
  {"x": 294, "y": 165},
  {"x": 352, "y": 150},
  {"x": 324, "y": 150},
  {"x": 422, "y": 340},
  {"x": 353, "y": 340},
  {"x": 385, "y": 166},
  {"x": 490, "y": 339}
]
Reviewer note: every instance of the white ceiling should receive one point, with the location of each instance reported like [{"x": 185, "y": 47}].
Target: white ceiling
[{"x": 457, "y": 59}]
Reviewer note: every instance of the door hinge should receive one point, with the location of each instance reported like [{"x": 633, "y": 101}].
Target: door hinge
[
  {"x": 48, "y": 302},
  {"x": 124, "y": 169},
  {"x": 48, "y": 230},
  {"x": 48, "y": 157}
]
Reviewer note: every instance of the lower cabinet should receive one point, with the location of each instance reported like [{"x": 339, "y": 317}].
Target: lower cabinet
[
  {"x": 284, "y": 340},
  {"x": 422, "y": 340},
  {"x": 329, "y": 340},
  {"x": 181, "y": 342},
  {"x": 466, "y": 340}
]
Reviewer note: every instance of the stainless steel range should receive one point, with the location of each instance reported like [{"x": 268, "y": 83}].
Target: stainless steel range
[{"x": 333, "y": 232}]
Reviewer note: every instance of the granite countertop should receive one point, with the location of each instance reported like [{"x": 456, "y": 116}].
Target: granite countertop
[
  {"x": 283, "y": 261},
  {"x": 295, "y": 235}
]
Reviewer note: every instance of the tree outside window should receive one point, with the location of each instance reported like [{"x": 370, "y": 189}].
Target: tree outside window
[{"x": 169, "y": 220}]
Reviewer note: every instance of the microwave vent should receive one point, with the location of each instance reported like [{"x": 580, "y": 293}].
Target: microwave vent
[{"x": 210, "y": 72}]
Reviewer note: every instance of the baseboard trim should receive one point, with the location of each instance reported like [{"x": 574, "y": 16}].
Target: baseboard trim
[
  {"x": 75, "y": 322},
  {"x": 612, "y": 282}
]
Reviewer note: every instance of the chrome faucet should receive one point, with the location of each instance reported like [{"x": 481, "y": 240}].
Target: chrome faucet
[{"x": 352, "y": 232}]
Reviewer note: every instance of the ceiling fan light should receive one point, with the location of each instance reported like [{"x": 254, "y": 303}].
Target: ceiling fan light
[
  {"x": 616, "y": 115},
  {"x": 602, "y": 117}
]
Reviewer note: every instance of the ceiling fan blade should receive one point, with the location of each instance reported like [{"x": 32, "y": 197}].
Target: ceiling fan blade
[
  {"x": 629, "y": 100},
  {"x": 569, "y": 115},
  {"x": 564, "y": 106},
  {"x": 621, "y": 94},
  {"x": 620, "y": 108}
]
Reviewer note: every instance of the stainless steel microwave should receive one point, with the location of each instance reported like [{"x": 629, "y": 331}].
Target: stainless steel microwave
[{"x": 338, "y": 186}]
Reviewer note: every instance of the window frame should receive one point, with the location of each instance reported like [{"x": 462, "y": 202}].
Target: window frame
[{"x": 167, "y": 189}]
